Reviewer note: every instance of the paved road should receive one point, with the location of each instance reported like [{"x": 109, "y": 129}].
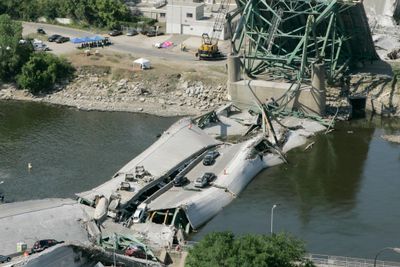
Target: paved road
[
  {"x": 138, "y": 45},
  {"x": 176, "y": 195}
]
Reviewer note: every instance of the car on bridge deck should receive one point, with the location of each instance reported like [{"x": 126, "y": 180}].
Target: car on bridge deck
[
  {"x": 135, "y": 251},
  {"x": 44, "y": 244},
  {"x": 4, "y": 259},
  {"x": 204, "y": 180},
  {"x": 180, "y": 181},
  {"x": 210, "y": 157}
]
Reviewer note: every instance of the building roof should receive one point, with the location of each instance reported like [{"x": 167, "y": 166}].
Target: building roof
[{"x": 185, "y": 3}]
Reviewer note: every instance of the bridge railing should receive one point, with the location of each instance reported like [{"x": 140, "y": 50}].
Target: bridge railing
[{"x": 333, "y": 261}]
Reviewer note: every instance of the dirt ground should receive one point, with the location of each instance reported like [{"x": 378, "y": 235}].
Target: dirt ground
[{"x": 121, "y": 66}]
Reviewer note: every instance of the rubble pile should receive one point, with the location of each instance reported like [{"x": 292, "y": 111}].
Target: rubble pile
[
  {"x": 97, "y": 88},
  {"x": 97, "y": 91},
  {"x": 337, "y": 103}
]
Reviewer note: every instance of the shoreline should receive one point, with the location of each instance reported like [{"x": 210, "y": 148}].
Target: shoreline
[
  {"x": 101, "y": 108},
  {"x": 82, "y": 99}
]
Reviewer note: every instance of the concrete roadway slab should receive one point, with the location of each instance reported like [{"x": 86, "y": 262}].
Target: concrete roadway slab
[
  {"x": 29, "y": 221},
  {"x": 177, "y": 195},
  {"x": 180, "y": 142}
]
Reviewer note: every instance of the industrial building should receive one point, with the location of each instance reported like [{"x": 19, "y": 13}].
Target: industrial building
[{"x": 191, "y": 17}]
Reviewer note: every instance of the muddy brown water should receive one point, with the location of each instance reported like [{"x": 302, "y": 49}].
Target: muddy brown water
[{"x": 342, "y": 196}]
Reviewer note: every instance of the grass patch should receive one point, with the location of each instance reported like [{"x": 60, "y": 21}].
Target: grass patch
[
  {"x": 113, "y": 60},
  {"x": 96, "y": 69},
  {"x": 118, "y": 74}
]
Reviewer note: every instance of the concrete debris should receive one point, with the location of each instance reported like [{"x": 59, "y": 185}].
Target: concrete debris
[{"x": 392, "y": 138}]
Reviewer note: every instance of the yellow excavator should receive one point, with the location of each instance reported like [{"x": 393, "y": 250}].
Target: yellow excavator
[{"x": 208, "y": 49}]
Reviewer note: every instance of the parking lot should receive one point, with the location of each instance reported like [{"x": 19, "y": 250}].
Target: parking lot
[{"x": 138, "y": 45}]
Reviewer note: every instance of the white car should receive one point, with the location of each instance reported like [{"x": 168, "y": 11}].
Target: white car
[
  {"x": 138, "y": 216},
  {"x": 39, "y": 45},
  {"x": 201, "y": 182}
]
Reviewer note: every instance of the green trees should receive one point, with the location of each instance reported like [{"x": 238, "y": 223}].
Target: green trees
[
  {"x": 13, "y": 54},
  {"x": 224, "y": 250},
  {"x": 100, "y": 13},
  {"x": 37, "y": 72},
  {"x": 42, "y": 71}
]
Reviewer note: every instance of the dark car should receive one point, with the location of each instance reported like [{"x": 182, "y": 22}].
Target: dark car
[
  {"x": 43, "y": 244},
  {"x": 153, "y": 33},
  {"x": 210, "y": 157},
  {"x": 209, "y": 176},
  {"x": 53, "y": 37},
  {"x": 135, "y": 251},
  {"x": 40, "y": 31},
  {"x": 180, "y": 181},
  {"x": 115, "y": 33},
  {"x": 4, "y": 259},
  {"x": 62, "y": 39},
  {"x": 132, "y": 32}
]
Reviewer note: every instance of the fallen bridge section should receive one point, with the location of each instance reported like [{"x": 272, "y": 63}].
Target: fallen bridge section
[
  {"x": 181, "y": 142},
  {"x": 30, "y": 221}
]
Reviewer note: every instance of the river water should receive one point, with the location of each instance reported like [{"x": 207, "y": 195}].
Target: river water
[{"x": 342, "y": 196}]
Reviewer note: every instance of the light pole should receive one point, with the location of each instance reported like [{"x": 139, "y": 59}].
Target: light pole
[
  {"x": 397, "y": 250},
  {"x": 272, "y": 218},
  {"x": 147, "y": 262},
  {"x": 115, "y": 245}
]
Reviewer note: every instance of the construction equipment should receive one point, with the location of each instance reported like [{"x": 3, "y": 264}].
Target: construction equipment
[{"x": 209, "y": 47}]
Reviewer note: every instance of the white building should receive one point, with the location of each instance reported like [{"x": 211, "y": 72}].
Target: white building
[
  {"x": 188, "y": 17},
  {"x": 191, "y": 17}
]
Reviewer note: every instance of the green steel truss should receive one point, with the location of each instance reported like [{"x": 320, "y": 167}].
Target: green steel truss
[{"x": 282, "y": 38}]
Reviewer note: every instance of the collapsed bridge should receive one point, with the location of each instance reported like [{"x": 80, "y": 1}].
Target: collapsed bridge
[{"x": 277, "y": 44}]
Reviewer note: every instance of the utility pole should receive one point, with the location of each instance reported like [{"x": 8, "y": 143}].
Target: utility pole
[{"x": 272, "y": 218}]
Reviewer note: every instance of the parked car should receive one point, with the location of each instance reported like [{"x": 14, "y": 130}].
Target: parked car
[
  {"x": 115, "y": 33},
  {"x": 44, "y": 244},
  {"x": 153, "y": 33},
  {"x": 40, "y": 31},
  {"x": 136, "y": 251},
  {"x": 180, "y": 181},
  {"x": 53, "y": 37},
  {"x": 210, "y": 157},
  {"x": 132, "y": 32},
  {"x": 4, "y": 259},
  {"x": 40, "y": 47},
  {"x": 62, "y": 39}
]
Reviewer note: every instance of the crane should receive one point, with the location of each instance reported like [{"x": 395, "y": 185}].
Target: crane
[{"x": 209, "y": 46}]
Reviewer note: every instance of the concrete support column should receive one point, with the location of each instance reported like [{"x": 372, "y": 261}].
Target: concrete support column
[
  {"x": 233, "y": 68},
  {"x": 318, "y": 87},
  {"x": 233, "y": 63}
]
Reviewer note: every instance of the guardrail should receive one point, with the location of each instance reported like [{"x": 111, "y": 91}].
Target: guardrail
[{"x": 333, "y": 261}]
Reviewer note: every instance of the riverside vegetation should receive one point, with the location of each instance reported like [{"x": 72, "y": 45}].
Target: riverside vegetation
[
  {"x": 224, "y": 249},
  {"x": 36, "y": 72},
  {"x": 88, "y": 13}
]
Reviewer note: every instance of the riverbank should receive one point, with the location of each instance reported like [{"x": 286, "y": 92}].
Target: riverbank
[{"x": 107, "y": 82}]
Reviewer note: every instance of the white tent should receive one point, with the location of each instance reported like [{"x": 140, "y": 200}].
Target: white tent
[{"x": 144, "y": 63}]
